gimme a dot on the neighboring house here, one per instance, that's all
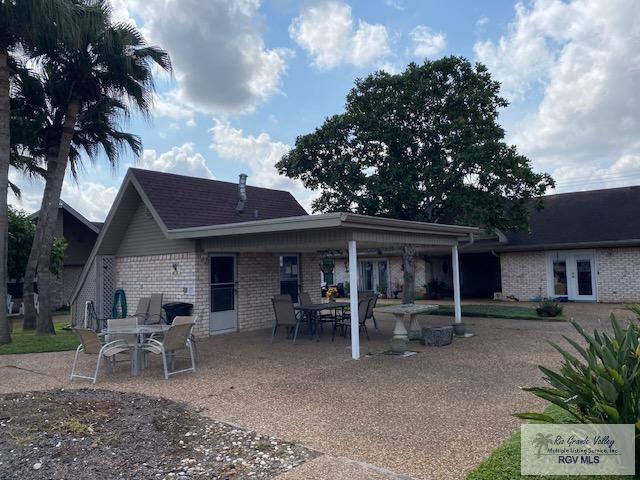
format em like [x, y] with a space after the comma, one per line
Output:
[227, 248]
[583, 246]
[81, 235]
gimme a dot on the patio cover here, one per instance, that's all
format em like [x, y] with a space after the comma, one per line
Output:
[334, 232]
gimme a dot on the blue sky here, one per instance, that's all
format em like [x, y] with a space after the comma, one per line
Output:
[250, 76]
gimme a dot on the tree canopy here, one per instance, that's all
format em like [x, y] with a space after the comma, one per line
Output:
[424, 144]
[21, 230]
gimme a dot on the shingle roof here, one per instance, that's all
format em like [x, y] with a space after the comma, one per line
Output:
[607, 215]
[184, 202]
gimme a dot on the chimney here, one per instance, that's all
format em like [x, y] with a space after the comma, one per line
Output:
[242, 192]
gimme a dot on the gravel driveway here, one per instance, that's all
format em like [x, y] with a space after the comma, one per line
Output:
[434, 415]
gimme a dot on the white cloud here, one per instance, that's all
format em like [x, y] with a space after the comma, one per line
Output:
[221, 62]
[427, 43]
[625, 171]
[91, 199]
[260, 153]
[397, 4]
[181, 160]
[582, 60]
[327, 32]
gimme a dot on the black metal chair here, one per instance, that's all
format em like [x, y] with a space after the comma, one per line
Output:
[285, 316]
[345, 322]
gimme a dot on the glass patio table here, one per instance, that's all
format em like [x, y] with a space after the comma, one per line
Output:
[313, 310]
[140, 332]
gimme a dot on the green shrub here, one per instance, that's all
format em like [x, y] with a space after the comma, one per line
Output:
[599, 385]
[549, 307]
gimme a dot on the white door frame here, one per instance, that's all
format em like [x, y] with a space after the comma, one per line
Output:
[571, 257]
[235, 292]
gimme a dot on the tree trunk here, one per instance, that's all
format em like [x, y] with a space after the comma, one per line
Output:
[47, 218]
[409, 260]
[30, 314]
[5, 149]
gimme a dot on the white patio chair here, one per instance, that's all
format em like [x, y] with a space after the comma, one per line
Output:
[179, 320]
[175, 339]
[9, 304]
[36, 304]
[113, 324]
[90, 345]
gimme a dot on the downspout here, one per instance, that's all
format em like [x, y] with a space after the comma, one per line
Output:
[469, 243]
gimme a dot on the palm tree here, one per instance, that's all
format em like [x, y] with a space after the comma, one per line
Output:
[26, 24]
[90, 88]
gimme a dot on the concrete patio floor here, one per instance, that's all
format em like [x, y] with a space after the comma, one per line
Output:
[435, 415]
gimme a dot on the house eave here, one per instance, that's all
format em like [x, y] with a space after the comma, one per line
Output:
[633, 242]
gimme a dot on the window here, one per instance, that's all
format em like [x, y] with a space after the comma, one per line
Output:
[289, 276]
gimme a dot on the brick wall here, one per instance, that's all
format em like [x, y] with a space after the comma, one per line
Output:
[618, 279]
[143, 276]
[524, 274]
[258, 280]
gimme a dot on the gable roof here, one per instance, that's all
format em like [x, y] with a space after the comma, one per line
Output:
[596, 217]
[187, 202]
[93, 226]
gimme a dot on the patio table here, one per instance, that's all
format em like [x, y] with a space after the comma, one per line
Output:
[140, 331]
[407, 312]
[312, 310]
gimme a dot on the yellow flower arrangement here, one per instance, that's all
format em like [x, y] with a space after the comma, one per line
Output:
[332, 293]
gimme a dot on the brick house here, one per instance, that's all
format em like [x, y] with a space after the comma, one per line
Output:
[582, 246]
[81, 235]
[228, 248]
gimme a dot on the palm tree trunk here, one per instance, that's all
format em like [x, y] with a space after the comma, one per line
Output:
[30, 314]
[48, 217]
[5, 148]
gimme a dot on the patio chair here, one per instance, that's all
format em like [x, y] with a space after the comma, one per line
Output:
[154, 314]
[179, 320]
[90, 345]
[115, 323]
[36, 304]
[175, 339]
[345, 322]
[372, 305]
[285, 316]
[305, 298]
[142, 310]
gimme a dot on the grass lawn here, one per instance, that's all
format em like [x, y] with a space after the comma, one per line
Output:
[504, 462]
[29, 342]
[496, 311]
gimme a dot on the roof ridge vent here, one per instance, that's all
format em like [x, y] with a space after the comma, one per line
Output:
[242, 192]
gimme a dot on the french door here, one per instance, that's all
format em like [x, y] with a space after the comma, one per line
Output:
[374, 275]
[572, 275]
[222, 301]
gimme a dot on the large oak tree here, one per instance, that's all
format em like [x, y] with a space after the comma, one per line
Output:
[424, 144]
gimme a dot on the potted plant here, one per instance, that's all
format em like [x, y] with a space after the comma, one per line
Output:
[332, 292]
[435, 289]
[382, 290]
[549, 307]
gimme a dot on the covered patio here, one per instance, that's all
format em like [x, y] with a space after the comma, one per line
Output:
[318, 234]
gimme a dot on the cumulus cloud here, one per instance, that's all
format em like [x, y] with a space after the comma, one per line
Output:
[581, 59]
[221, 62]
[181, 160]
[427, 43]
[327, 32]
[91, 199]
[260, 153]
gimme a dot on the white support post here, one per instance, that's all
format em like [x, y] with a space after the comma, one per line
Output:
[456, 284]
[353, 299]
